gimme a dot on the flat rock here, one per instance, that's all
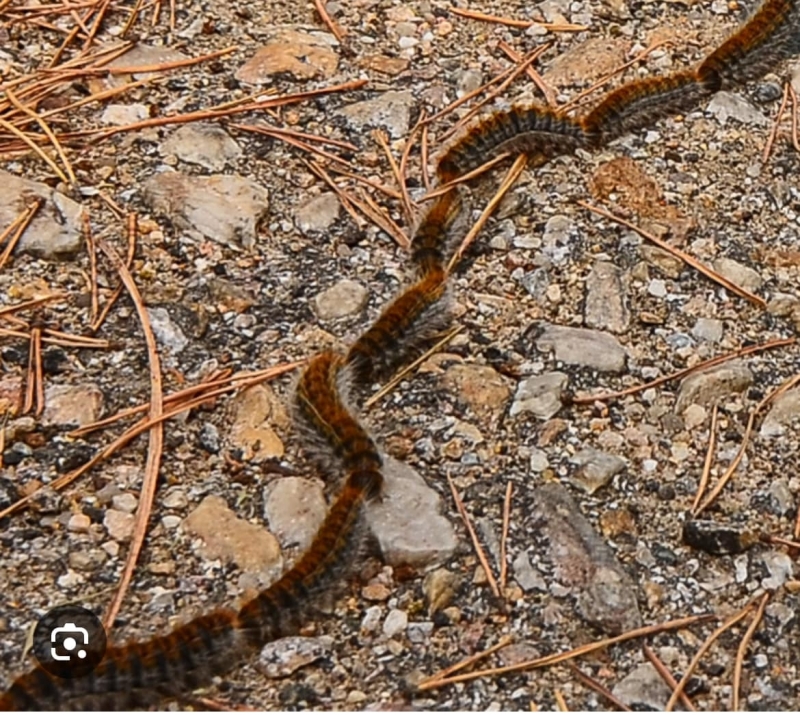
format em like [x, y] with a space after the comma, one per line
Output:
[318, 214]
[390, 110]
[785, 409]
[540, 395]
[340, 300]
[643, 689]
[606, 304]
[75, 405]
[222, 208]
[407, 521]
[708, 329]
[743, 276]
[226, 537]
[605, 596]
[284, 656]
[483, 388]
[587, 61]
[527, 575]
[300, 54]
[204, 144]
[121, 114]
[709, 386]
[167, 332]
[294, 509]
[255, 411]
[583, 347]
[119, 524]
[728, 105]
[595, 469]
[55, 231]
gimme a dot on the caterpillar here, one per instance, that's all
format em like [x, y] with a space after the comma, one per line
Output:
[142, 673]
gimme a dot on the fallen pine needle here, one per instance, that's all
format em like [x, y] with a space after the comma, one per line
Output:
[712, 440]
[742, 650]
[502, 643]
[775, 127]
[524, 24]
[504, 535]
[597, 686]
[666, 676]
[559, 698]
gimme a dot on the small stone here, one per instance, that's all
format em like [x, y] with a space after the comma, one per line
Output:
[121, 114]
[284, 656]
[89, 560]
[168, 333]
[390, 110]
[371, 622]
[318, 214]
[74, 405]
[606, 304]
[375, 592]
[643, 689]
[439, 587]
[70, 580]
[300, 54]
[582, 347]
[355, 697]
[175, 499]
[396, 622]
[540, 395]
[255, 411]
[119, 524]
[294, 509]
[126, 503]
[708, 329]
[657, 288]
[345, 298]
[79, 523]
[539, 461]
[207, 145]
[595, 469]
[694, 416]
[780, 567]
[727, 105]
[715, 538]
[407, 522]
[782, 495]
[528, 576]
[227, 537]
[481, 387]
[714, 384]
[783, 412]
[420, 632]
[743, 276]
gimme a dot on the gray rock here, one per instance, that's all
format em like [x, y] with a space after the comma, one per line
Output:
[595, 469]
[318, 214]
[583, 347]
[708, 329]
[558, 230]
[226, 209]
[605, 596]
[709, 386]
[345, 298]
[540, 395]
[294, 509]
[396, 622]
[536, 282]
[743, 276]
[643, 688]
[606, 304]
[286, 655]
[206, 145]
[390, 110]
[57, 229]
[780, 567]
[76, 405]
[526, 575]
[406, 520]
[727, 105]
[119, 524]
[781, 492]
[121, 114]
[785, 409]
[167, 332]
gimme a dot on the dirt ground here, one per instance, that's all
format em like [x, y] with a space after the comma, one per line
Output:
[247, 260]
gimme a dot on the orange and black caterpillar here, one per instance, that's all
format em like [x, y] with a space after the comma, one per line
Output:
[142, 673]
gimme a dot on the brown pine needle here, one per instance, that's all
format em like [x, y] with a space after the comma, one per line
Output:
[553, 27]
[712, 439]
[462, 664]
[388, 191]
[474, 537]
[655, 661]
[35, 148]
[773, 135]
[132, 230]
[156, 441]
[732, 467]
[381, 219]
[768, 538]
[795, 123]
[561, 703]
[511, 177]
[33, 375]
[727, 625]
[289, 139]
[380, 137]
[18, 226]
[742, 651]
[535, 77]
[570, 654]
[685, 257]
[297, 135]
[504, 535]
[91, 250]
[426, 178]
[405, 370]
[482, 169]
[344, 197]
[409, 145]
[32, 303]
[741, 352]
[322, 11]
[165, 66]
[597, 686]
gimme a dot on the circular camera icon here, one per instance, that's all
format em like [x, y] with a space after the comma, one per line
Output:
[69, 641]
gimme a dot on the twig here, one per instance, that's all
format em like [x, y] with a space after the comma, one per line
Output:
[524, 24]
[513, 174]
[685, 257]
[322, 11]
[155, 443]
[474, 537]
[741, 352]
[712, 439]
[775, 127]
[18, 226]
[504, 535]
[570, 654]
[502, 643]
[729, 623]
[597, 686]
[666, 676]
[742, 650]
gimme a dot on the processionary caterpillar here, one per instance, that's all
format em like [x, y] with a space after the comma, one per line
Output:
[141, 673]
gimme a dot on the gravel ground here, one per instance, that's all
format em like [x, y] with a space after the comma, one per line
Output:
[246, 260]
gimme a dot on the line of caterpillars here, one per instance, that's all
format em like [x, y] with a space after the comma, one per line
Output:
[140, 674]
